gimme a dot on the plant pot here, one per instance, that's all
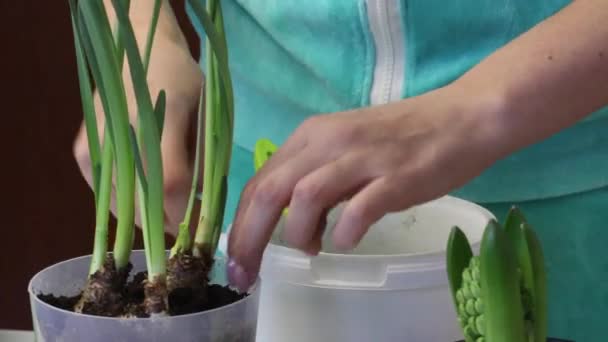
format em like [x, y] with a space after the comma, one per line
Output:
[388, 289]
[231, 323]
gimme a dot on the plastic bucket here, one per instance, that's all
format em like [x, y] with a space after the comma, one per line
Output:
[231, 323]
[393, 287]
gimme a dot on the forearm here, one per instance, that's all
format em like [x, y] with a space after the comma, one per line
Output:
[547, 79]
[140, 12]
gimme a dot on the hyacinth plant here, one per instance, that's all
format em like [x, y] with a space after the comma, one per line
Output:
[499, 295]
[135, 153]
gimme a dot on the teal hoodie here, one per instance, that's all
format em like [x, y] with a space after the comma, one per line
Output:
[291, 59]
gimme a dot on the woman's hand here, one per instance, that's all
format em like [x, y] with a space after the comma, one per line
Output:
[173, 69]
[383, 159]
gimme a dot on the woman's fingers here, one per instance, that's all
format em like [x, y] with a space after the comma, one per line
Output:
[316, 244]
[288, 151]
[393, 192]
[365, 208]
[266, 204]
[318, 192]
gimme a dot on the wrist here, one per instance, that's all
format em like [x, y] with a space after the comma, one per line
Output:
[488, 116]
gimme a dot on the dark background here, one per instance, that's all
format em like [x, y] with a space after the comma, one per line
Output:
[47, 210]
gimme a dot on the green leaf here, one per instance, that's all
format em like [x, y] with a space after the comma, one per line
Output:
[107, 74]
[514, 228]
[139, 166]
[227, 91]
[220, 212]
[183, 241]
[539, 292]
[219, 122]
[159, 111]
[500, 288]
[459, 256]
[102, 214]
[151, 142]
[118, 42]
[151, 33]
[88, 106]
[218, 46]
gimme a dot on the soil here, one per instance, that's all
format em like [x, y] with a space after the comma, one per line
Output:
[181, 300]
[60, 302]
[187, 283]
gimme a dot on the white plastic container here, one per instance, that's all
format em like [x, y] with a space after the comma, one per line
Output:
[231, 323]
[393, 287]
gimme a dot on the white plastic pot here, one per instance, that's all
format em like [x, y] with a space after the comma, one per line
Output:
[232, 323]
[393, 287]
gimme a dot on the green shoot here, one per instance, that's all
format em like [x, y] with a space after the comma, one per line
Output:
[106, 70]
[151, 33]
[183, 242]
[150, 132]
[86, 95]
[88, 107]
[101, 169]
[102, 214]
[219, 123]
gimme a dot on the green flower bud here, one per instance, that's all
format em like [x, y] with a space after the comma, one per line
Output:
[471, 323]
[466, 275]
[480, 324]
[479, 305]
[459, 296]
[475, 289]
[475, 274]
[470, 307]
[462, 311]
[466, 291]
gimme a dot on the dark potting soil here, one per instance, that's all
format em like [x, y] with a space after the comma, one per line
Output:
[60, 302]
[181, 301]
[185, 301]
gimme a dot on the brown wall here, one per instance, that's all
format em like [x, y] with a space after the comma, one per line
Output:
[46, 210]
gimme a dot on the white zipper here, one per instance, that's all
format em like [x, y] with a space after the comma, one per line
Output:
[384, 18]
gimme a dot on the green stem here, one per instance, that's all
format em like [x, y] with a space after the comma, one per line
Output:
[123, 245]
[140, 189]
[205, 226]
[101, 170]
[151, 143]
[88, 107]
[111, 88]
[151, 33]
[103, 207]
[218, 130]
[183, 242]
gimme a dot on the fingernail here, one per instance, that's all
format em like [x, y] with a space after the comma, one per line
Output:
[237, 276]
[312, 252]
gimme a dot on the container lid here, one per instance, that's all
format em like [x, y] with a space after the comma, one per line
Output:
[404, 250]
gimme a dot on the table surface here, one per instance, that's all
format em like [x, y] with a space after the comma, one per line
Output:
[16, 336]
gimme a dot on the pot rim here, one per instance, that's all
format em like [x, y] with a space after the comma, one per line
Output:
[274, 247]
